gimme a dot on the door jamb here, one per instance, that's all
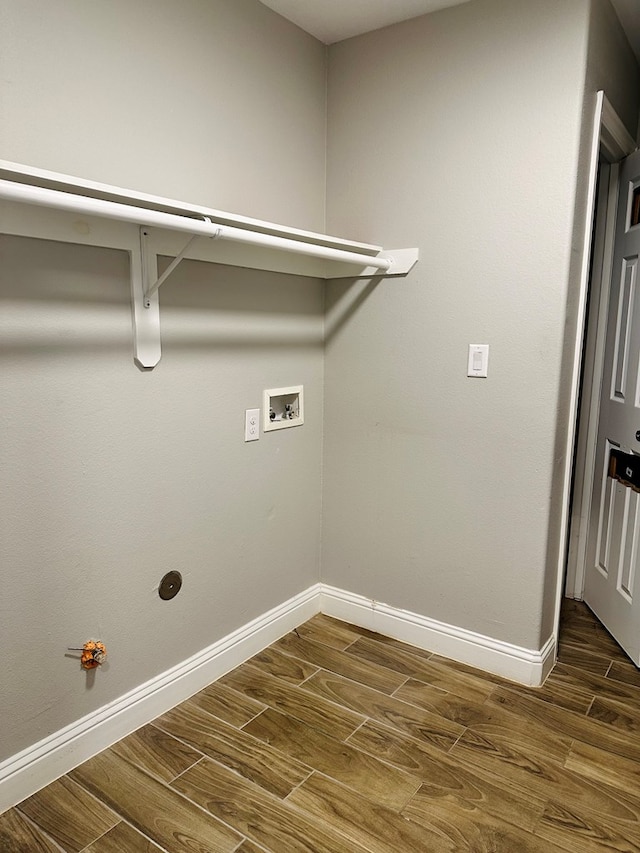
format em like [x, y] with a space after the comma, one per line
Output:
[611, 140]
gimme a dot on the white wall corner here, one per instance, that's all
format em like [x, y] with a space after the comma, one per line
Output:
[525, 666]
[39, 765]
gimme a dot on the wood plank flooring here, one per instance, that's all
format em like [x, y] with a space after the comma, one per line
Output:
[339, 740]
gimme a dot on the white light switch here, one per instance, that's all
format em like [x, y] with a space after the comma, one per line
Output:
[252, 425]
[478, 364]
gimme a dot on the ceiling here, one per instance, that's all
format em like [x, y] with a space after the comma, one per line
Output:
[335, 20]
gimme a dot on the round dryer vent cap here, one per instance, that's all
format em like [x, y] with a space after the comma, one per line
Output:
[170, 585]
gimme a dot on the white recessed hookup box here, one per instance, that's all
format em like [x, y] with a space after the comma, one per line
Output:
[283, 407]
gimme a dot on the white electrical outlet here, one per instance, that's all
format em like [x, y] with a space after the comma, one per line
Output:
[252, 425]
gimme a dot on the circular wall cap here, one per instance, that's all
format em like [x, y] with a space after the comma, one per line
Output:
[170, 585]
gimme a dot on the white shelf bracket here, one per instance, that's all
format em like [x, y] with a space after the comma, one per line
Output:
[145, 283]
[146, 309]
[151, 289]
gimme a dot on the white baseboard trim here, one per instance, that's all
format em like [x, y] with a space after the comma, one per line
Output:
[525, 666]
[39, 765]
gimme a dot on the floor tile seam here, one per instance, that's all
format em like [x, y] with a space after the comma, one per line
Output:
[586, 713]
[297, 658]
[486, 680]
[32, 823]
[432, 713]
[355, 731]
[269, 794]
[394, 732]
[335, 672]
[307, 677]
[617, 827]
[442, 690]
[497, 779]
[556, 764]
[204, 755]
[306, 693]
[621, 707]
[614, 683]
[149, 772]
[376, 804]
[580, 780]
[295, 787]
[571, 690]
[399, 687]
[543, 705]
[534, 721]
[178, 740]
[248, 840]
[239, 693]
[259, 847]
[621, 790]
[293, 715]
[102, 835]
[161, 849]
[348, 646]
[608, 731]
[579, 647]
[462, 734]
[414, 707]
[84, 790]
[263, 666]
[359, 750]
[389, 648]
[540, 754]
[410, 705]
[358, 684]
[169, 787]
[363, 844]
[386, 763]
[460, 802]
[326, 645]
[202, 809]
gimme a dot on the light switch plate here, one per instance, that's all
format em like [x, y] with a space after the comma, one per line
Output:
[478, 364]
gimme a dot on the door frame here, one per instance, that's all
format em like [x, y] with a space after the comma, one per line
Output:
[611, 142]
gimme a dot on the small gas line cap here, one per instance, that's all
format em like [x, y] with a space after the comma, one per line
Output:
[170, 585]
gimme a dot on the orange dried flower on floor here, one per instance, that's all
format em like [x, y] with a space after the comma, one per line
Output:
[93, 654]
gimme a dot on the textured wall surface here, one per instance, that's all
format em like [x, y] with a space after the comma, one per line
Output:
[111, 476]
[208, 101]
[457, 132]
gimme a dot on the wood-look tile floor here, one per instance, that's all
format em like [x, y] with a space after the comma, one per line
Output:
[338, 740]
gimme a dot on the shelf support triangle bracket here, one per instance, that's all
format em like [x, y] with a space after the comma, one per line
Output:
[145, 283]
[152, 289]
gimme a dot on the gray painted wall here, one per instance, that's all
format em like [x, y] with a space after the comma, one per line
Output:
[457, 132]
[196, 100]
[110, 476]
